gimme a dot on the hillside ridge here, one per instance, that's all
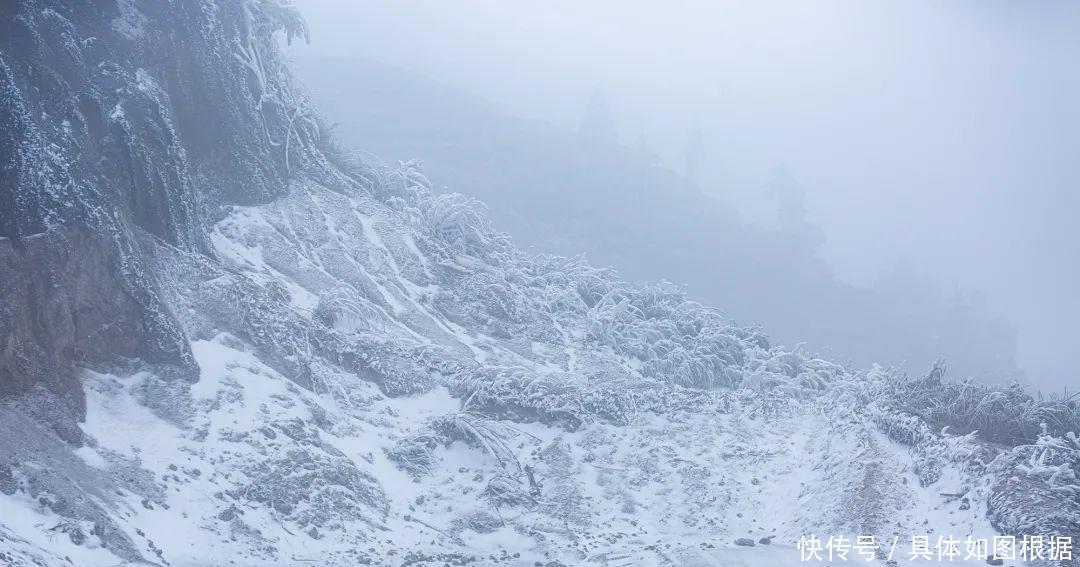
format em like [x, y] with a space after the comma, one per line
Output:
[225, 340]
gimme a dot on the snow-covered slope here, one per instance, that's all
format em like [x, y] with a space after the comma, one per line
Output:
[550, 190]
[345, 368]
[370, 390]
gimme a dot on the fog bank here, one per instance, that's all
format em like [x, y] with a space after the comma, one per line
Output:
[930, 139]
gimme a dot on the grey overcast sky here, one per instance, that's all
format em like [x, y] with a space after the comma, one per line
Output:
[941, 136]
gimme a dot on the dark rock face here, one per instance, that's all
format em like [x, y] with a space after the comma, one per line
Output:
[73, 297]
[113, 141]
[124, 127]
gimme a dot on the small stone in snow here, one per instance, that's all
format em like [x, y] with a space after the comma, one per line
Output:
[745, 542]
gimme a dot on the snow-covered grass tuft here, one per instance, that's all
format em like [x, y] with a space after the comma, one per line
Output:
[1007, 415]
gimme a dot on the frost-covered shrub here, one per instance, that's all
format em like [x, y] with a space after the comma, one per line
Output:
[501, 304]
[457, 222]
[931, 452]
[415, 454]
[478, 431]
[506, 490]
[462, 223]
[404, 187]
[308, 481]
[1035, 490]
[479, 521]
[397, 367]
[568, 284]
[664, 398]
[520, 395]
[347, 310]
[258, 310]
[1053, 460]
[310, 487]
[792, 372]
[1007, 415]
[672, 338]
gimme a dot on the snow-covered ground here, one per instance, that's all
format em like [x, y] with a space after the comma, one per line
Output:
[566, 465]
[665, 490]
[311, 358]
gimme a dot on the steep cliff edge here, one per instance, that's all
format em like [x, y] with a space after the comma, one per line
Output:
[223, 340]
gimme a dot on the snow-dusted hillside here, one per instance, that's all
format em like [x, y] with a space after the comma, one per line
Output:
[376, 385]
[274, 352]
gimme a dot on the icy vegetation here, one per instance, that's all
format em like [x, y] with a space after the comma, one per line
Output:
[225, 340]
[581, 190]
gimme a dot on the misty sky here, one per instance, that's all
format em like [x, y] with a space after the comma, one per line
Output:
[940, 136]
